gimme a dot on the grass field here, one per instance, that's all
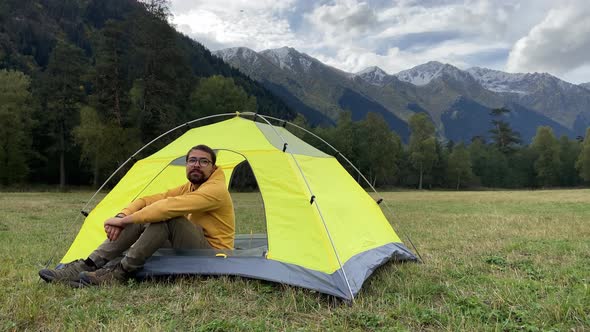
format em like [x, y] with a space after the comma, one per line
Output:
[496, 260]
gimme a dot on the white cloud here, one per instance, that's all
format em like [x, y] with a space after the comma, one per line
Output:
[482, 18]
[559, 44]
[343, 19]
[223, 23]
[355, 59]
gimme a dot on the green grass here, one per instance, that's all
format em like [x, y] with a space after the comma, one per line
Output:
[496, 260]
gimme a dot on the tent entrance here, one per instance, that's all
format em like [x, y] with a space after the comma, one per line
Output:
[251, 236]
[250, 222]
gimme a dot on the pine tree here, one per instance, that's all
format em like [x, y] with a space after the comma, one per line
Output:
[63, 92]
[568, 153]
[583, 163]
[15, 126]
[110, 85]
[502, 134]
[379, 149]
[547, 163]
[422, 144]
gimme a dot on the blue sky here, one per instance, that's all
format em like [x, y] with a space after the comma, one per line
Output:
[513, 36]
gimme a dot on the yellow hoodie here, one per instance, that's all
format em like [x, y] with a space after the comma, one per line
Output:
[208, 205]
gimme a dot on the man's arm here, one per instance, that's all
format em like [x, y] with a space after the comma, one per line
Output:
[144, 201]
[114, 226]
[208, 197]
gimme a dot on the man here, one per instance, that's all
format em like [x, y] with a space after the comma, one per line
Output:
[196, 215]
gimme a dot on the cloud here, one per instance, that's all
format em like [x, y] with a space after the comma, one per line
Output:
[349, 34]
[559, 44]
[394, 60]
[343, 18]
[223, 23]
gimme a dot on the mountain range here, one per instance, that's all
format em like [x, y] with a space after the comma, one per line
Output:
[458, 101]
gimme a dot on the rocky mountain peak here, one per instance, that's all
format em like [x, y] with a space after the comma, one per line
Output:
[373, 75]
[425, 73]
[289, 58]
[243, 53]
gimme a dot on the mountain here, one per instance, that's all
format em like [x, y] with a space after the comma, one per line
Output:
[425, 73]
[585, 85]
[374, 75]
[458, 101]
[318, 91]
[499, 81]
[564, 102]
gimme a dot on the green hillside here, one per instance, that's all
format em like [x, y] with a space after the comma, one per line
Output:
[102, 78]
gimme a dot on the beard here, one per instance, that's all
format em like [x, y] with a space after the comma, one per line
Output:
[196, 177]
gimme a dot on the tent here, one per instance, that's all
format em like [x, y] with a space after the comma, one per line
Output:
[324, 231]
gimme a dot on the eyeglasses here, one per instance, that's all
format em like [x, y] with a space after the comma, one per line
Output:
[203, 162]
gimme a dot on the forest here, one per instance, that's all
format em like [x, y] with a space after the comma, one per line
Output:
[86, 83]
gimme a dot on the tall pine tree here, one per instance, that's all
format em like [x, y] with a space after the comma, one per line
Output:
[63, 92]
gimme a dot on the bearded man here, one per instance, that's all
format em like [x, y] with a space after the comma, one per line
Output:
[197, 215]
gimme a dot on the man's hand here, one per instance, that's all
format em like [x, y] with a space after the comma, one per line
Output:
[113, 232]
[114, 226]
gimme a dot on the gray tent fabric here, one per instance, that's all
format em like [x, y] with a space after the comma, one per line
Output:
[251, 262]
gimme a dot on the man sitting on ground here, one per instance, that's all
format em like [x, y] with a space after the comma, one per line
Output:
[196, 215]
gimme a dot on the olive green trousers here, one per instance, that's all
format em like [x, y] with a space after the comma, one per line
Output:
[142, 240]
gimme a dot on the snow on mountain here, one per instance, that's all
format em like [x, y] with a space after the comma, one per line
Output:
[289, 58]
[246, 54]
[499, 81]
[373, 75]
[520, 83]
[425, 73]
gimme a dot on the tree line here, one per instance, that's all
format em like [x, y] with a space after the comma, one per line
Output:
[496, 159]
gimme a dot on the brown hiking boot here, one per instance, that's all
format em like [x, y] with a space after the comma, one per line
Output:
[67, 273]
[106, 275]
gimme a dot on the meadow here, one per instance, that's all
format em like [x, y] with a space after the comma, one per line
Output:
[493, 261]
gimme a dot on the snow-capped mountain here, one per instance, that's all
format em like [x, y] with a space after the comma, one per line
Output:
[585, 85]
[458, 101]
[374, 75]
[562, 101]
[244, 53]
[520, 83]
[288, 58]
[425, 73]
[498, 81]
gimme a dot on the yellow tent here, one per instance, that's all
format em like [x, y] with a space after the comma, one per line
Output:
[324, 231]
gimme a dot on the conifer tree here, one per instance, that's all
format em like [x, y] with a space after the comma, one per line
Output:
[422, 147]
[63, 92]
[547, 163]
[15, 126]
[459, 166]
[583, 163]
[503, 136]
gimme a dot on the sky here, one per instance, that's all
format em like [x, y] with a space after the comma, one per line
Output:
[512, 36]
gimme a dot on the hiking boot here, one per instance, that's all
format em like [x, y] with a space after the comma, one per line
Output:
[68, 273]
[106, 275]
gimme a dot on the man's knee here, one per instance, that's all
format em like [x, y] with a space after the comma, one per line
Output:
[178, 224]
